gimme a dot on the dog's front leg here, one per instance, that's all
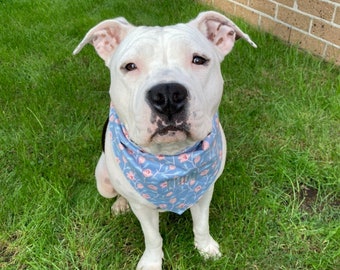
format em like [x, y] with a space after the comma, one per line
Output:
[205, 244]
[153, 254]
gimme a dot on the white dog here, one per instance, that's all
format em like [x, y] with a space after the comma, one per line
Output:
[163, 144]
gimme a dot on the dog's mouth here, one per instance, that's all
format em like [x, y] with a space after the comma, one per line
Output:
[171, 133]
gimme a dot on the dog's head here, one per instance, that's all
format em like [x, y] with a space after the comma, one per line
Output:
[166, 82]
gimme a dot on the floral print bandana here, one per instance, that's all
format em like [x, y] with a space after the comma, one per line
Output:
[170, 182]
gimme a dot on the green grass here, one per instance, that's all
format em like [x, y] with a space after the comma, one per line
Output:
[275, 207]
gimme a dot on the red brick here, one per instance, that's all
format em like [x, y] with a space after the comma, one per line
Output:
[289, 3]
[294, 18]
[244, 2]
[307, 42]
[326, 31]
[226, 6]
[321, 9]
[264, 6]
[337, 16]
[248, 15]
[333, 54]
[275, 28]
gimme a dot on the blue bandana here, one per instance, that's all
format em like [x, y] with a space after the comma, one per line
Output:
[170, 182]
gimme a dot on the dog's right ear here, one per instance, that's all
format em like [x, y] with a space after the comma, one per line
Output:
[106, 36]
[220, 30]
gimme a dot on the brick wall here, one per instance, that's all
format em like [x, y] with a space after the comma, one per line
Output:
[313, 25]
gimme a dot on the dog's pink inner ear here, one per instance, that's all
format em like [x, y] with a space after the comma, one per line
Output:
[222, 35]
[105, 41]
[106, 36]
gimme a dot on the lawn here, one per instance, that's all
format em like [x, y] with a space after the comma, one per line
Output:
[276, 206]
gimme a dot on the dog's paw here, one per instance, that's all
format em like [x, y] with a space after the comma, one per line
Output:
[120, 206]
[149, 266]
[210, 250]
[149, 263]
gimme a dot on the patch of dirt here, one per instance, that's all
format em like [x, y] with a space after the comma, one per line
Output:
[6, 253]
[307, 197]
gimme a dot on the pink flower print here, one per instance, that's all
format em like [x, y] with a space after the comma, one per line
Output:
[182, 205]
[164, 185]
[121, 147]
[141, 160]
[130, 152]
[172, 167]
[205, 145]
[147, 172]
[173, 200]
[160, 157]
[169, 194]
[110, 135]
[183, 157]
[198, 188]
[197, 159]
[153, 187]
[112, 118]
[131, 175]
[192, 182]
[124, 160]
[205, 172]
[146, 196]
[126, 134]
[162, 206]
[183, 180]
[140, 185]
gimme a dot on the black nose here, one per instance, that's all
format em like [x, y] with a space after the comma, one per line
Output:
[168, 98]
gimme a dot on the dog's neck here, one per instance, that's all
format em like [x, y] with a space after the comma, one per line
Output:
[170, 182]
[170, 148]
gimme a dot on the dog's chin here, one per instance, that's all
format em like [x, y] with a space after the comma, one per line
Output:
[169, 136]
[170, 140]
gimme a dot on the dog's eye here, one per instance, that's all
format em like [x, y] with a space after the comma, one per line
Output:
[130, 67]
[199, 60]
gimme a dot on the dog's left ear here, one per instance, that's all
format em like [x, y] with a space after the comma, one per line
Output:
[106, 36]
[220, 30]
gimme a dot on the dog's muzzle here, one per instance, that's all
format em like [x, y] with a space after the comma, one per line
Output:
[168, 100]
